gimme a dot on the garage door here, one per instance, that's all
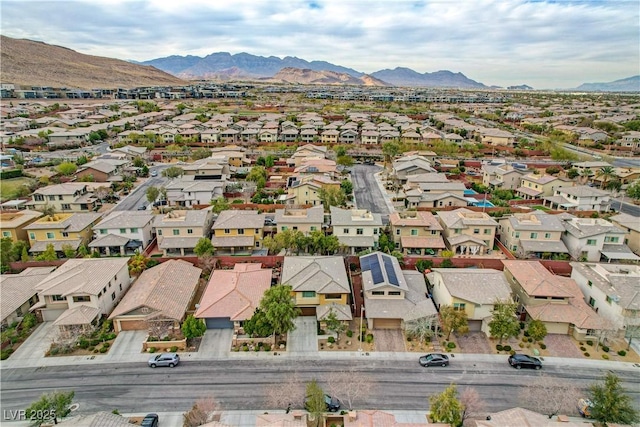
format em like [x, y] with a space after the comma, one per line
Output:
[475, 325]
[386, 323]
[133, 325]
[219, 323]
[308, 311]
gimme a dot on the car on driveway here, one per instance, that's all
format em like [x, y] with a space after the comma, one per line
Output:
[154, 173]
[150, 420]
[434, 359]
[164, 359]
[519, 361]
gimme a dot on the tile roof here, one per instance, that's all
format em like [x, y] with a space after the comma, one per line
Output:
[422, 242]
[420, 219]
[342, 311]
[535, 221]
[479, 286]
[556, 246]
[231, 241]
[587, 227]
[72, 223]
[10, 220]
[79, 315]
[182, 218]
[125, 219]
[178, 242]
[61, 189]
[536, 280]
[463, 238]
[16, 289]
[322, 274]
[313, 215]
[627, 221]
[465, 218]
[167, 288]
[109, 240]
[342, 217]
[58, 245]
[235, 293]
[82, 275]
[519, 417]
[619, 281]
[236, 219]
[583, 191]
[99, 419]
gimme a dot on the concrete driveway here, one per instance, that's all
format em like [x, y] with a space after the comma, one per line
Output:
[31, 352]
[388, 340]
[216, 343]
[128, 347]
[304, 338]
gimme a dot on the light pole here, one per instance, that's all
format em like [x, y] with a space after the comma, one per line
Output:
[360, 331]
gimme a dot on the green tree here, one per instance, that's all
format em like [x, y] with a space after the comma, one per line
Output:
[340, 151]
[5, 253]
[68, 251]
[572, 173]
[50, 407]
[220, 204]
[204, 247]
[173, 172]
[270, 161]
[633, 191]
[82, 160]
[138, 162]
[279, 308]
[314, 402]
[385, 244]
[504, 323]
[585, 174]
[390, 150]
[606, 173]
[611, 403]
[334, 324]
[331, 196]
[138, 264]
[200, 153]
[445, 407]
[256, 174]
[144, 170]
[345, 161]
[258, 325]
[537, 329]
[193, 328]
[67, 168]
[152, 194]
[347, 187]
[49, 254]
[453, 320]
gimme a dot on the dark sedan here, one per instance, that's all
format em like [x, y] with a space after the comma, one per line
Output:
[434, 359]
[519, 361]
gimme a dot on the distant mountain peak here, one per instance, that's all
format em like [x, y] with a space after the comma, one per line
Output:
[630, 84]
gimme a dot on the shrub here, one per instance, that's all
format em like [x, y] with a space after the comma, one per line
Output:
[499, 347]
[451, 345]
[173, 348]
[321, 331]
[586, 354]
[54, 351]
[512, 352]
[522, 326]
[530, 339]
[152, 339]
[260, 344]
[106, 345]
[507, 348]
[589, 342]
[84, 343]
[152, 349]
[91, 348]
[583, 348]
[245, 348]
[622, 353]
[526, 333]
[543, 346]
[331, 340]
[267, 347]
[369, 338]
[605, 356]
[605, 349]
[104, 349]
[4, 355]
[349, 333]
[581, 344]
[409, 339]
[256, 348]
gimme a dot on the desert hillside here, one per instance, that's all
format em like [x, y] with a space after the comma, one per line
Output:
[26, 62]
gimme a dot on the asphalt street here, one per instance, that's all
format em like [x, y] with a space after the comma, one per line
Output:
[367, 190]
[620, 205]
[243, 384]
[138, 196]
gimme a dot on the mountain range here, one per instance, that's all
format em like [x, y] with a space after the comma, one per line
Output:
[630, 84]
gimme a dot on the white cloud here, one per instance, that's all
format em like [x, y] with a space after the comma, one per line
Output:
[503, 42]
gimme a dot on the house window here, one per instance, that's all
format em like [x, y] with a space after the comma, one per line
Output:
[159, 232]
[591, 242]
[547, 235]
[60, 197]
[52, 198]
[459, 306]
[6, 234]
[313, 228]
[534, 235]
[123, 230]
[457, 231]
[176, 232]
[395, 293]
[227, 231]
[592, 302]
[375, 231]
[609, 299]
[487, 231]
[377, 293]
[65, 234]
[257, 231]
[113, 296]
[284, 228]
[611, 239]
[189, 230]
[103, 231]
[308, 294]
[104, 290]
[359, 231]
[333, 296]
[345, 230]
[50, 235]
[476, 231]
[397, 232]
[133, 230]
[294, 228]
[66, 207]
[38, 198]
[241, 231]
[414, 232]
[32, 236]
[517, 235]
[82, 298]
[57, 298]
[590, 283]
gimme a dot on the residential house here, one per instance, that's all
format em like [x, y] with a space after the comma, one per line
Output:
[189, 192]
[596, 239]
[293, 419]
[474, 291]
[232, 296]
[161, 295]
[520, 417]
[581, 198]
[305, 152]
[504, 176]
[493, 136]
[624, 175]
[316, 281]
[131, 152]
[19, 293]
[323, 167]
[235, 155]
[63, 231]
[237, 231]
[122, 233]
[590, 165]
[13, 223]
[68, 197]
[102, 170]
[555, 300]
[303, 220]
[468, 232]
[82, 291]
[375, 418]
[357, 229]
[416, 233]
[613, 291]
[179, 231]
[305, 190]
[435, 194]
[393, 298]
[534, 186]
[211, 168]
[406, 166]
[329, 136]
[629, 223]
[533, 234]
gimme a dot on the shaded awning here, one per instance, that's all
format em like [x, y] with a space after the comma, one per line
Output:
[58, 245]
[543, 246]
[133, 244]
[618, 252]
[109, 240]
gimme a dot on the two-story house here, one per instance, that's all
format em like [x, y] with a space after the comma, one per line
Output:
[68, 197]
[13, 223]
[305, 190]
[303, 220]
[63, 231]
[596, 239]
[317, 281]
[612, 290]
[534, 186]
[19, 293]
[102, 170]
[435, 194]
[236, 231]
[393, 298]
[555, 300]
[504, 177]
[179, 231]
[305, 152]
[321, 167]
[212, 168]
[81, 291]
[189, 192]
[474, 291]
[416, 233]
[122, 233]
[468, 232]
[631, 224]
[357, 229]
[581, 198]
[406, 166]
[532, 234]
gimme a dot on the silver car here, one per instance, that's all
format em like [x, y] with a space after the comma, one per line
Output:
[164, 359]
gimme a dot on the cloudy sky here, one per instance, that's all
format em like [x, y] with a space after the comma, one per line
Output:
[545, 44]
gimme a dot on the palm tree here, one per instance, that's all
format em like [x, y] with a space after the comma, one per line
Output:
[606, 172]
[586, 173]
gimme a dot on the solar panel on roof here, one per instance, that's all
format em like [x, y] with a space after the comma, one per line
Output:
[376, 272]
[391, 273]
[365, 262]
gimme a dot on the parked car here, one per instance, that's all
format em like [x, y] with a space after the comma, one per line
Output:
[150, 420]
[142, 207]
[154, 173]
[164, 359]
[434, 359]
[584, 407]
[519, 361]
[333, 404]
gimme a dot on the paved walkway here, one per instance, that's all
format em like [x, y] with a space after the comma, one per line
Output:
[304, 338]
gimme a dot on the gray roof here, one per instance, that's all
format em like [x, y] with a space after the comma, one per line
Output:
[109, 240]
[554, 246]
[82, 275]
[186, 218]
[583, 191]
[535, 221]
[75, 222]
[617, 252]
[620, 281]
[99, 419]
[58, 245]
[389, 267]
[442, 186]
[479, 286]
[323, 274]
[357, 241]
[627, 221]
[125, 219]
[176, 242]
[232, 241]
[587, 227]
[80, 315]
[236, 219]
[465, 218]
[312, 215]
[341, 217]
[342, 311]
[461, 238]
[16, 289]
[61, 189]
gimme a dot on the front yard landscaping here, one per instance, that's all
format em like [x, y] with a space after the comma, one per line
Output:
[16, 334]
[347, 341]
[98, 341]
